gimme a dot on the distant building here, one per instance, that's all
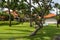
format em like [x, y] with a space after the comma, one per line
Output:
[14, 13]
[51, 21]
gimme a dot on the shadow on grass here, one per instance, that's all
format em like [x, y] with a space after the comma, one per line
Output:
[3, 23]
[19, 30]
[6, 24]
[47, 33]
[19, 26]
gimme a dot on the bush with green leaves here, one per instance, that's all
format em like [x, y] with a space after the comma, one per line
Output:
[5, 16]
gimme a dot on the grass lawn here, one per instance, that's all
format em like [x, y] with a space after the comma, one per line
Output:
[22, 32]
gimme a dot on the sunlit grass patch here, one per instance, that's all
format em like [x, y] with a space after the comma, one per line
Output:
[22, 32]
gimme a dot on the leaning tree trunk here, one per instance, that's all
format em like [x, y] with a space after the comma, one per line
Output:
[40, 25]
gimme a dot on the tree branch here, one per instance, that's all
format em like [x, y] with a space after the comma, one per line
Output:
[33, 7]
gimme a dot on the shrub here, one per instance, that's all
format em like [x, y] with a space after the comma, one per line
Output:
[5, 17]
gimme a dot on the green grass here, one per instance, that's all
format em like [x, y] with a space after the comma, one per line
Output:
[7, 23]
[22, 32]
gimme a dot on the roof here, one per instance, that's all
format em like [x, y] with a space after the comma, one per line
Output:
[50, 15]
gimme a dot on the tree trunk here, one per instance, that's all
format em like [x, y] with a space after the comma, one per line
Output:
[9, 13]
[30, 22]
[57, 23]
[40, 25]
[37, 29]
[9, 18]
[30, 15]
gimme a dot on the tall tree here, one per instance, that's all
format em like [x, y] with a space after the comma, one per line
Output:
[4, 4]
[42, 6]
[58, 15]
[30, 14]
[8, 4]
